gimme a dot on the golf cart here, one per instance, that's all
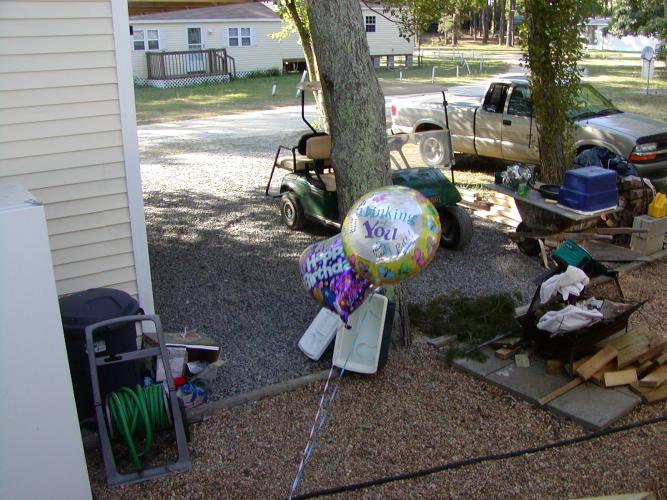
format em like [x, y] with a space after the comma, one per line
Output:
[308, 190]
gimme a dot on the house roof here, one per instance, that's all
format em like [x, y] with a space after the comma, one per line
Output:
[230, 11]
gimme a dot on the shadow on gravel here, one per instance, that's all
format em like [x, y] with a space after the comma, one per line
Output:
[228, 267]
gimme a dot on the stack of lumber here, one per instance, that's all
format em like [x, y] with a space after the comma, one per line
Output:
[637, 359]
[496, 207]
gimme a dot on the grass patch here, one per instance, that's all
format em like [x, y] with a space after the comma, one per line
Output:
[160, 105]
[621, 81]
[199, 101]
[473, 320]
[445, 71]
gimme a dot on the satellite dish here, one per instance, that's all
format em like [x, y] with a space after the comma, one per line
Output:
[647, 53]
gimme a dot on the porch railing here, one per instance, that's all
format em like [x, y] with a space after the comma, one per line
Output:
[188, 63]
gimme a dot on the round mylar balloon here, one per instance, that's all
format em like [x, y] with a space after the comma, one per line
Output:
[330, 279]
[390, 234]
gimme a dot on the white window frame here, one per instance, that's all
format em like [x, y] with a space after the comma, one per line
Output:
[370, 21]
[240, 36]
[145, 40]
[202, 35]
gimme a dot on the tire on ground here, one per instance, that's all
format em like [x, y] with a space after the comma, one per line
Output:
[528, 246]
[291, 211]
[456, 228]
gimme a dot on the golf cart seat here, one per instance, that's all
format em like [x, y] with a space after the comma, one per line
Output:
[318, 148]
[311, 147]
[288, 163]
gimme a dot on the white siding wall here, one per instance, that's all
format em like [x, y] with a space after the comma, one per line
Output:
[386, 39]
[60, 135]
[265, 53]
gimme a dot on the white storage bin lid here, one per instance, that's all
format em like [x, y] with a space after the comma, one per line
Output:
[367, 326]
[319, 334]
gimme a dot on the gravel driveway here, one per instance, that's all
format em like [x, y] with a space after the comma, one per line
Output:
[414, 414]
[222, 262]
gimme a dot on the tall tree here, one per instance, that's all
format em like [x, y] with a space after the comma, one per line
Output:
[294, 19]
[510, 23]
[485, 24]
[641, 17]
[414, 16]
[501, 22]
[552, 47]
[354, 105]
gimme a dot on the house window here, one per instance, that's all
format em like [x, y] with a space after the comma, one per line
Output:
[239, 37]
[145, 39]
[370, 24]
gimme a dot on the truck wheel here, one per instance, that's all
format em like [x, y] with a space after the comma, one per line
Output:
[456, 228]
[528, 246]
[432, 151]
[291, 212]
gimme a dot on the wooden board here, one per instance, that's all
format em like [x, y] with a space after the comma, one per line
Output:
[442, 341]
[560, 391]
[640, 391]
[662, 359]
[508, 342]
[607, 252]
[601, 358]
[621, 377]
[598, 377]
[554, 366]
[656, 395]
[638, 347]
[645, 367]
[655, 378]
[506, 353]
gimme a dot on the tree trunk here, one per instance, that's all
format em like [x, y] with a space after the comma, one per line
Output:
[474, 26]
[455, 29]
[355, 107]
[510, 24]
[311, 61]
[501, 23]
[494, 23]
[485, 25]
[665, 40]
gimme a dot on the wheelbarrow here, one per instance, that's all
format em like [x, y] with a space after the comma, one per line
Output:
[544, 216]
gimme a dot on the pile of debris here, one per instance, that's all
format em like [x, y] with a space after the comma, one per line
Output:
[636, 359]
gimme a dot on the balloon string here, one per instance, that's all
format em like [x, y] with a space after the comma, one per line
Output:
[322, 412]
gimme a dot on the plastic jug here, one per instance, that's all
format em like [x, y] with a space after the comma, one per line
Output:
[658, 207]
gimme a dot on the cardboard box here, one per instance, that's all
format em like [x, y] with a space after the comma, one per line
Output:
[198, 346]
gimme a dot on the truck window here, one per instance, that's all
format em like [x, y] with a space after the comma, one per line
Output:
[520, 103]
[494, 101]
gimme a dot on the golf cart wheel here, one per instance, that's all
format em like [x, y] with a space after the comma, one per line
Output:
[528, 246]
[432, 151]
[456, 228]
[291, 211]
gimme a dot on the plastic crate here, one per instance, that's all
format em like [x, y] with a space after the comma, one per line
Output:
[589, 189]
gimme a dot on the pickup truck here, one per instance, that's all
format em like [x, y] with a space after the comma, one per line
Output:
[499, 124]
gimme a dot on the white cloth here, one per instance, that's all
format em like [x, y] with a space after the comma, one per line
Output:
[568, 319]
[572, 281]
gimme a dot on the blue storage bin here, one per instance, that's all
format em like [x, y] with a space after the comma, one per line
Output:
[589, 189]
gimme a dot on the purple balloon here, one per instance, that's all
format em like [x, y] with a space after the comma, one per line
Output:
[330, 279]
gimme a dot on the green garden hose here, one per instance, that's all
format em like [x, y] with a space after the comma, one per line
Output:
[141, 413]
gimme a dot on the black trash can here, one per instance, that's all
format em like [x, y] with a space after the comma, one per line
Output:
[81, 309]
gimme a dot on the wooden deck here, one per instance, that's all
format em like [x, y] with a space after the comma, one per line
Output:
[189, 63]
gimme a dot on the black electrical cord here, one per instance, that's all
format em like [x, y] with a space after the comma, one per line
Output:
[476, 460]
